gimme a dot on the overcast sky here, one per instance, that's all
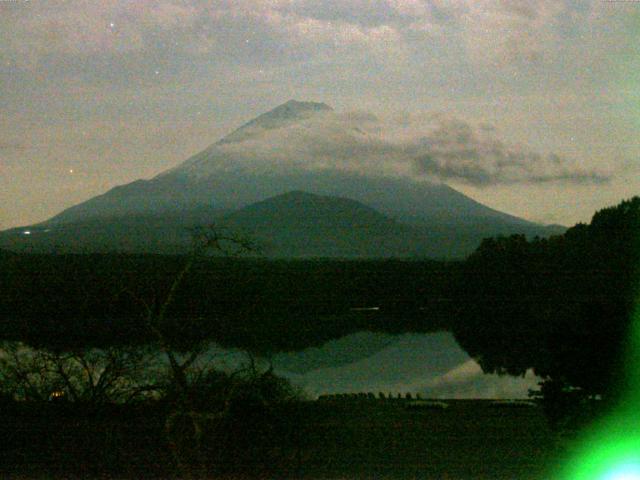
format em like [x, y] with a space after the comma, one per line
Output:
[95, 94]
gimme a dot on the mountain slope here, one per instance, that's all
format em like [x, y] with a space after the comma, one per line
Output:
[295, 224]
[300, 224]
[283, 115]
[281, 151]
[141, 233]
[233, 173]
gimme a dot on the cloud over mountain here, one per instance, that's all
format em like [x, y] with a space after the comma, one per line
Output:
[456, 150]
[436, 147]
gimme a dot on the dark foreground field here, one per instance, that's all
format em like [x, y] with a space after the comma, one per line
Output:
[467, 440]
[331, 440]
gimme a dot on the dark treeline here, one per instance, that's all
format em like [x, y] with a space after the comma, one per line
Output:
[71, 300]
[561, 306]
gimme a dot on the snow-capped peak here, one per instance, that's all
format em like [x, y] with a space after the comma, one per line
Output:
[283, 115]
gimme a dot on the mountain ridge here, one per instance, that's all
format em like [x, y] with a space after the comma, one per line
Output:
[276, 118]
[217, 182]
[295, 224]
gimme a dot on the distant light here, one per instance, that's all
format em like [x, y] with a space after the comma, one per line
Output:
[112, 24]
[27, 232]
[71, 170]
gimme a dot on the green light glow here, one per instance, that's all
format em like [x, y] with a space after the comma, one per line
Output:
[607, 458]
[610, 449]
[624, 472]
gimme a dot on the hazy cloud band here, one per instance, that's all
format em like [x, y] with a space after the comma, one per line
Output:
[436, 147]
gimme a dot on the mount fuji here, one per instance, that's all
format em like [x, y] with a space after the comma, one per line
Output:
[302, 178]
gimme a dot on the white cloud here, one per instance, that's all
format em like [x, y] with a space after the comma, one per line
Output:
[410, 8]
[492, 32]
[435, 147]
[502, 32]
[34, 33]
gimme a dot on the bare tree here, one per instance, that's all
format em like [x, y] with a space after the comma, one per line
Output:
[187, 377]
[90, 376]
[203, 400]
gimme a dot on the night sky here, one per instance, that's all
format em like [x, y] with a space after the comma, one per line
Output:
[97, 94]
